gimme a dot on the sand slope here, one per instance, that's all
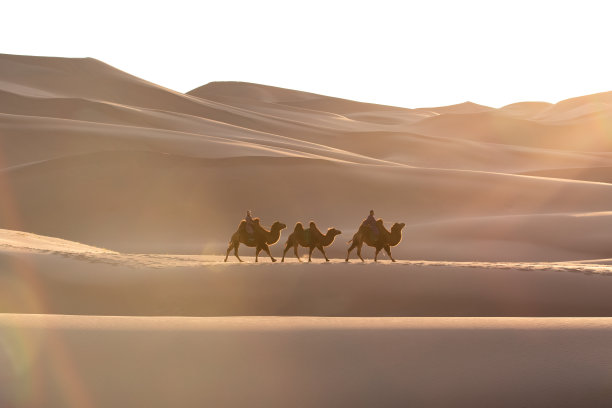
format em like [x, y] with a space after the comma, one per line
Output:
[48, 275]
[306, 362]
[159, 359]
[96, 155]
[93, 154]
[118, 197]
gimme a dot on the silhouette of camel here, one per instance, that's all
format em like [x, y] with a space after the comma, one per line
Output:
[385, 239]
[260, 239]
[311, 238]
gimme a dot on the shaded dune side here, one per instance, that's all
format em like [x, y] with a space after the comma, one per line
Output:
[457, 153]
[112, 127]
[530, 237]
[320, 362]
[32, 80]
[25, 138]
[86, 89]
[85, 284]
[271, 94]
[87, 78]
[140, 200]
[42, 274]
[588, 134]
[173, 117]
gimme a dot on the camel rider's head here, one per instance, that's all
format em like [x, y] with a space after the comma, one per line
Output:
[372, 213]
[248, 213]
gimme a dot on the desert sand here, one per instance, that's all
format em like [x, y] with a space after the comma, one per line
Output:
[308, 361]
[118, 198]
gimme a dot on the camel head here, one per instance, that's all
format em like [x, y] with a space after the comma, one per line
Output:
[397, 226]
[278, 226]
[332, 232]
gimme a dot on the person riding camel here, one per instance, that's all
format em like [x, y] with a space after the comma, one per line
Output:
[314, 233]
[371, 224]
[250, 224]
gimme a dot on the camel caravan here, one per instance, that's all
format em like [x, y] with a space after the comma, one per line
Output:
[371, 232]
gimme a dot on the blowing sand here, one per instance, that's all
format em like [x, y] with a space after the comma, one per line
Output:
[118, 198]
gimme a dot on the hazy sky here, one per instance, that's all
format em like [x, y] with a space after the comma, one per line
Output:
[405, 53]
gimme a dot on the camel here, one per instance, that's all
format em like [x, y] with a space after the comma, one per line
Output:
[311, 238]
[260, 239]
[386, 239]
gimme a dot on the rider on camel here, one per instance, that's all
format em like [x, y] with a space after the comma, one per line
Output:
[250, 223]
[314, 232]
[370, 222]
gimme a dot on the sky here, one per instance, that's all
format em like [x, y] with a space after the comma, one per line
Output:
[403, 53]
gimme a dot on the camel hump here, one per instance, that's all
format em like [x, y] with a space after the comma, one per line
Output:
[364, 228]
[307, 236]
[298, 227]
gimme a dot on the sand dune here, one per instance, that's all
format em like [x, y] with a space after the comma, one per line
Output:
[311, 362]
[449, 152]
[225, 91]
[118, 197]
[49, 275]
[128, 165]
[579, 106]
[127, 200]
[526, 110]
[460, 108]
[590, 133]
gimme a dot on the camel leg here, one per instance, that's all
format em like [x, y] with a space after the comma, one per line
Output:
[310, 254]
[295, 251]
[287, 246]
[257, 251]
[320, 247]
[359, 253]
[229, 248]
[349, 251]
[376, 254]
[236, 251]
[388, 251]
[267, 249]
